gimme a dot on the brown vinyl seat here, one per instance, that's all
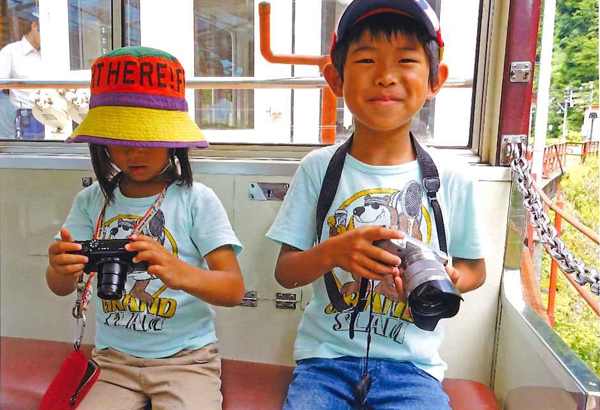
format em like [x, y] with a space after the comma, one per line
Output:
[28, 365]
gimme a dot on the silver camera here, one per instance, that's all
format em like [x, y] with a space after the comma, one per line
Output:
[431, 294]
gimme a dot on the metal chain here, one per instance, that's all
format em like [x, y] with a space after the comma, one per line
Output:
[541, 221]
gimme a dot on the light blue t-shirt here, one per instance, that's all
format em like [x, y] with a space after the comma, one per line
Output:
[152, 320]
[390, 196]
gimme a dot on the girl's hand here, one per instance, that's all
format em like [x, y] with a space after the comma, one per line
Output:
[63, 263]
[163, 264]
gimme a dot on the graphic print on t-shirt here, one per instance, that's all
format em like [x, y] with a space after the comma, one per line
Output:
[390, 208]
[141, 308]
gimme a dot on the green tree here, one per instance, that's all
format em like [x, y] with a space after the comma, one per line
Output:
[575, 60]
[576, 43]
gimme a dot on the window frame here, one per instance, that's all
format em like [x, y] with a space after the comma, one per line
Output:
[480, 118]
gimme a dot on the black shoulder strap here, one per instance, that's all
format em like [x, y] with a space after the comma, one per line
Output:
[331, 180]
[328, 191]
[431, 183]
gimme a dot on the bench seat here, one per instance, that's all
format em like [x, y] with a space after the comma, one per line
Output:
[28, 365]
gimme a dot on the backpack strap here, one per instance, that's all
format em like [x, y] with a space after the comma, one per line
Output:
[431, 183]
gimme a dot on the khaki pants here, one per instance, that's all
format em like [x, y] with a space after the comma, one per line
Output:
[188, 380]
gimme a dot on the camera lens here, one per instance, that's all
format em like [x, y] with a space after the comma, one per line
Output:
[111, 279]
[432, 301]
[429, 301]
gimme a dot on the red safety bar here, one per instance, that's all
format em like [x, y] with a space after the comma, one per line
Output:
[555, 157]
[590, 148]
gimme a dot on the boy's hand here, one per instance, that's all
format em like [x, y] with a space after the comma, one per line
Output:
[354, 252]
[450, 270]
[453, 273]
[162, 263]
[63, 263]
[399, 285]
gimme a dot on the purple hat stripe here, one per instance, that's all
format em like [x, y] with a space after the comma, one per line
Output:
[158, 102]
[146, 144]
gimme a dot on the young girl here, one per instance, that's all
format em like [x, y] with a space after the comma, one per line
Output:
[157, 343]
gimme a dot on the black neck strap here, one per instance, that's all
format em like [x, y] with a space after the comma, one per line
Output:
[431, 184]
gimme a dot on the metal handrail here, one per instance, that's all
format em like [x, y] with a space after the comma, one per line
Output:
[214, 83]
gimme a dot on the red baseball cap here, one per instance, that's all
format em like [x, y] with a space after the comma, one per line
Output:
[358, 10]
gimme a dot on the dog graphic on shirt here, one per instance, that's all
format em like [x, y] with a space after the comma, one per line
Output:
[400, 210]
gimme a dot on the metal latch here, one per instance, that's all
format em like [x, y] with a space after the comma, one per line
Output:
[86, 181]
[285, 301]
[250, 299]
[268, 191]
[506, 159]
[520, 72]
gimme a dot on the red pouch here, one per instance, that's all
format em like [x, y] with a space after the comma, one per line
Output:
[73, 381]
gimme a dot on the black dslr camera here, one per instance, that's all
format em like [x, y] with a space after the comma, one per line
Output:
[112, 262]
[431, 294]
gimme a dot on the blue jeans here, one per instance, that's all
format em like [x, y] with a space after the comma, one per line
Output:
[328, 384]
[27, 126]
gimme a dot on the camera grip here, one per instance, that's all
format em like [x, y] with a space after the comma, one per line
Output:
[388, 245]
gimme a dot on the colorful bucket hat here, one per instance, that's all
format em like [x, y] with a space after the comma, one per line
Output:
[416, 9]
[138, 99]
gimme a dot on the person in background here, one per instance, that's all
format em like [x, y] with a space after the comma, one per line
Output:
[19, 60]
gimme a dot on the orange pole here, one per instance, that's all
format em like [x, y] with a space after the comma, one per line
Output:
[328, 101]
[585, 294]
[546, 163]
[531, 287]
[570, 219]
[328, 116]
[264, 11]
[554, 266]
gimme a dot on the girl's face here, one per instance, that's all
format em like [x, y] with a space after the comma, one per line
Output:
[140, 165]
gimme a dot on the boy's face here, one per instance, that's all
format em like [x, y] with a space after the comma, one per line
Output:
[385, 82]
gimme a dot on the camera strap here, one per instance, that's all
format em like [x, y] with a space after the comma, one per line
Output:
[84, 290]
[431, 183]
[100, 231]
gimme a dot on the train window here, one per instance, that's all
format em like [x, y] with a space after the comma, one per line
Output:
[20, 20]
[131, 23]
[90, 31]
[224, 47]
[221, 40]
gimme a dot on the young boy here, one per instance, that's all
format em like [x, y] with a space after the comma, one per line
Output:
[386, 63]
